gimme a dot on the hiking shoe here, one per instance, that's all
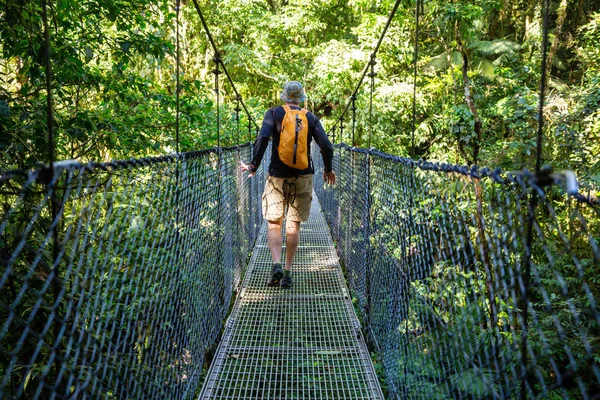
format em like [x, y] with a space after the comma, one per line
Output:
[286, 282]
[276, 274]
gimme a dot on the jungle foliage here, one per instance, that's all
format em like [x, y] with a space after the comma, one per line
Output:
[114, 65]
[114, 92]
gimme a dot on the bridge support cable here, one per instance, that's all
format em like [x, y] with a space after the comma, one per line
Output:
[368, 66]
[353, 108]
[217, 56]
[217, 72]
[177, 201]
[372, 75]
[249, 130]
[411, 223]
[526, 379]
[237, 110]
[52, 187]
[177, 73]
[177, 100]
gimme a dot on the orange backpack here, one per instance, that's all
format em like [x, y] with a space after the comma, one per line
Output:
[293, 141]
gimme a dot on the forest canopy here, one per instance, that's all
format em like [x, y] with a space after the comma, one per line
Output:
[472, 256]
[114, 77]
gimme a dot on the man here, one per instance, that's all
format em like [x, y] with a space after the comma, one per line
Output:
[287, 187]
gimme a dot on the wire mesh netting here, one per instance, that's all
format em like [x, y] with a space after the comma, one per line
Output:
[472, 283]
[117, 277]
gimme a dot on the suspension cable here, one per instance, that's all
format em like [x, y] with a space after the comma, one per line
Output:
[217, 72]
[249, 130]
[49, 105]
[353, 99]
[372, 75]
[540, 135]
[414, 99]
[56, 281]
[216, 50]
[373, 55]
[237, 110]
[526, 277]
[177, 73]
[418, 5]
[237, 94]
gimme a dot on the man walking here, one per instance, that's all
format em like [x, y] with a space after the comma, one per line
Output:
[288, 190]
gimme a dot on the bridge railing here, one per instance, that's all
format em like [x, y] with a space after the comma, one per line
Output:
[464, 294]
[116, 278]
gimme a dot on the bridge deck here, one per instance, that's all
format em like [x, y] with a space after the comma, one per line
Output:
[300, 343]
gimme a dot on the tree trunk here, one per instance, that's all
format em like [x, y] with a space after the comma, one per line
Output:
[560, 20]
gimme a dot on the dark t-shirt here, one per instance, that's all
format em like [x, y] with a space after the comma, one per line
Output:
[271, 127]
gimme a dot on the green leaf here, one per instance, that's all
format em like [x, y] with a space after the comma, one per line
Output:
[4, 109]
[495, 47]
[125, 46]
[89, 53]
[477, 382]
[484, 67]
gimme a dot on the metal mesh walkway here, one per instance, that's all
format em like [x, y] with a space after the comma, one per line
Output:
[301, 343]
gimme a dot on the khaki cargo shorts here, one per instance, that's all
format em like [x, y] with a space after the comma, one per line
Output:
[295, 194]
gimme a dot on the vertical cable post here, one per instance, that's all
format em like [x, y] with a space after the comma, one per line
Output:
[217, 71]
[414, 99]
[418, 6]
[177, 114]
[52, 187]
[524, 303]
[369, 247]
[237, 119]
[177, 75]
[178, 202]
[51, 143]
[49, 100]
[249, 129]
[543, 79]
[372, 75]
[353, 108]
[341, 130]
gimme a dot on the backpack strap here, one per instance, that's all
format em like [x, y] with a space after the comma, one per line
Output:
[277, 123]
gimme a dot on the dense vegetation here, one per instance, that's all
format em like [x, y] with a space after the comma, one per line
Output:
[114, 87]
[114, 76]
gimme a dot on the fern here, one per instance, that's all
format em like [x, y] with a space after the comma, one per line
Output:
[494, 47]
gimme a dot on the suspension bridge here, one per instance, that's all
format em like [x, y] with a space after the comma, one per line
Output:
[146, 279]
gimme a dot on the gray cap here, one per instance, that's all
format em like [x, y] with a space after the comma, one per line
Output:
[293, 92]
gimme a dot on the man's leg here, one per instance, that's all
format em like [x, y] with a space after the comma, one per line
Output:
[274, 240]
[292, 237]
[299, 210]
[273, 202]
